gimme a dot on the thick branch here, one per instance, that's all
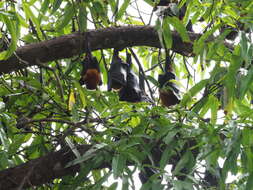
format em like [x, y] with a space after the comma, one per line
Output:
[73, 44]
[53, 165]
[41, 170]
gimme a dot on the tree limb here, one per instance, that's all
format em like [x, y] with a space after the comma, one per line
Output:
[73, 44]
[42, 170]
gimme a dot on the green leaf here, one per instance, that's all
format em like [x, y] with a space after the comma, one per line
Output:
[249, 183]
[118, 165]
[125, 183]
[14, 37]
[82, 17]
[56, 5]
[73, 147]
[165, 157]
[153, 80]
[199, 45]
[193, 91]
[3, 137]
[87, 155]
[182, 185]
[170, 136]
[101, 181]
[30, 15]
[200, 104]
[244, 45]
[113, 186]
[245, 83]
[4, 162]
[177, 24]
[19, 140]
[68, 15]
[43, 9]
[214, 109]
[122, 9]
[182, 162]
[113, 5]
[81, 94]
[230, 80]
[167, 33]
[150, 2]
[22, 21]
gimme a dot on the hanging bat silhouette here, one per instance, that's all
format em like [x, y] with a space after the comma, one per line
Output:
[90, 75]
[131, 92]
[168, 91]
[117, 77]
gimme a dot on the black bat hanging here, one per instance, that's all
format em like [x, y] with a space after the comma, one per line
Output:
[90, 75]
[131, 92]
[117, 77]
[168, 91]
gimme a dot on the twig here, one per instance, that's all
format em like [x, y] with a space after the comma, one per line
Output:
[56, 76]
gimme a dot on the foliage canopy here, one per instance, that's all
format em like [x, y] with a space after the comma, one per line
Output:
[204, 142]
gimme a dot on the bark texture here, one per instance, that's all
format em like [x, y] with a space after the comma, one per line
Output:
[41, 170]
[73, 44]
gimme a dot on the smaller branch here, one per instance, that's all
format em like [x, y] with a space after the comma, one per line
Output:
[137, 7]
[56, 76]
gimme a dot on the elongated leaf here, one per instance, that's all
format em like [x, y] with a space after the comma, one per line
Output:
[249, 183]
[113, 5]
[72, 100]
[170, 136]
[16, 144]
[22, 21]
[199, 45]
[3, 137]
[118, 164]
[125, 183]
[182, 162]
[56, 5]
[167, 33]
[82, 17]
[178, 25]
[30, 15]
[244, 45]
[87, 155]
[245, 83]
[230, 80]
[165, 157]
[182, 185]
[122, 9]
[150, 2]
[73, 147]
[13, 32]
[113, 186]
[43, 9]
[68, 15]
[81, 94]
[193, 91]
[214, 109]
[198, 106]
[101, 181]
[153, 80]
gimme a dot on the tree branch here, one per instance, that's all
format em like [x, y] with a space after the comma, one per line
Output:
[73, 44]
[42, 170]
